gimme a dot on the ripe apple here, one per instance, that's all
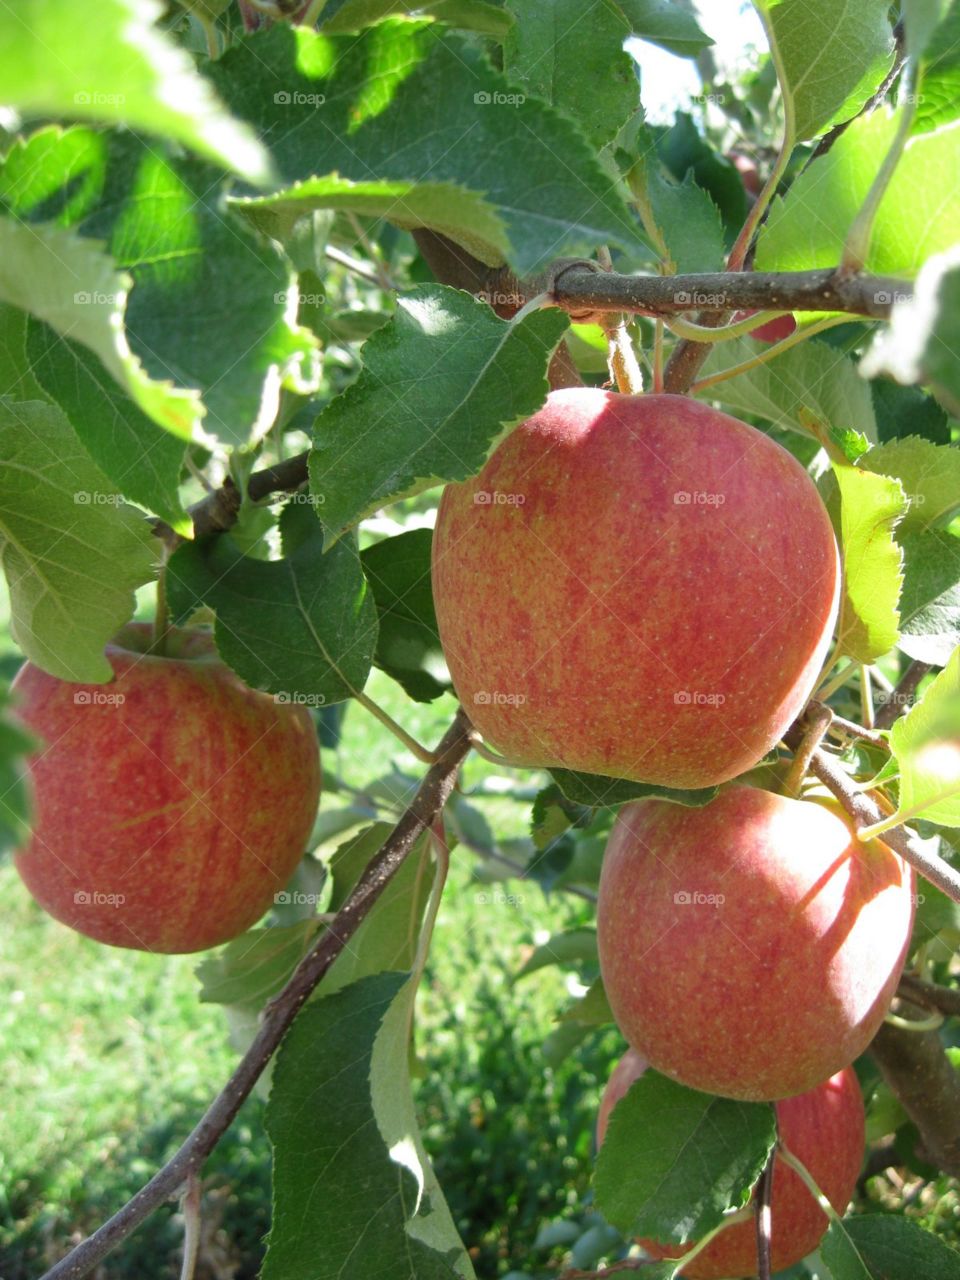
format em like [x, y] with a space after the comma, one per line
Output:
[751, 947]
[637, 586]
[170, 804]
[823, 1128]
[746, 166]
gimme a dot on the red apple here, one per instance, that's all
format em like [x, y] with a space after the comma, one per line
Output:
[823, 1128]
[748, 171]
[619, 590]
[170, 804]
[774, 330]
[751, 947]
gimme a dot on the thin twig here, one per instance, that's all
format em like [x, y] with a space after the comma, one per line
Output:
[816, 723]
[281, 1011]
[865, 811]
[930, 995]
[763, 1217]
[190, 1207]
[902, 696]
[843, 728]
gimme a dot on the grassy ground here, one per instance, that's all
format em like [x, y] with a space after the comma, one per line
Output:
[108, 1058]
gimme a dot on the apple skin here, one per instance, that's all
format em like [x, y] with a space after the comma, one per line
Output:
[749, 948]
[166, 821]
[620, 590]
[825, 1130]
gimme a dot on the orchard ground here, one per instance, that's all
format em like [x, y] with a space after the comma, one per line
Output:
[108, 1059]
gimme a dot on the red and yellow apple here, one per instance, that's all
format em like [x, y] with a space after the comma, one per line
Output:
[823, 1128]
[637, 586]
[773, 330]
[751, 947]
[171, 804]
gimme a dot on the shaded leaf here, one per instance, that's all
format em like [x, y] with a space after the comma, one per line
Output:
[870, 506]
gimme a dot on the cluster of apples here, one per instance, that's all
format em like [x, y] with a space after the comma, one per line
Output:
[645, 588]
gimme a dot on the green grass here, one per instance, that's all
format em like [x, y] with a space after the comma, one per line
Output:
[109, 1058]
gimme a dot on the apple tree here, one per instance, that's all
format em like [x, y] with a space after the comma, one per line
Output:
[360, 335]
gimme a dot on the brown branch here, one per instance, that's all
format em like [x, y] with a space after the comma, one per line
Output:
[902, 696]
[915, 1066]
[930, 995]
[843, 728]
[816, 722]
[865, 812]
[278, 1015]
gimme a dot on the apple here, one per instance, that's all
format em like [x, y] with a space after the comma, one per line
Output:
[823, 1128]
[751, 947]
[746, 166]
[618, 591]
[171, 804]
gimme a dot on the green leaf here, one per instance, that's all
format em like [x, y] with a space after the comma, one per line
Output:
[254, 967]
[674, 1160]
[593, 1009]
[387, 938]
[887, 1247]
[143, 461]
[408, 643]
[302, 628]
[809, 384]
[440, 385]
[72, 551]
[905, 411]
[212, 306]
[922, 342]
[120, 69]
[666, 24]
[926, 743]
[681, 219]
[468, 15]
[940, 70]
[682, 149]
[930, 603]
[595, 790]
[15, 796]
[340, 1119]
[829, 61]
[553, 814]
[918, 216]
[920, 20]
[930, 475]
[73, 286]
[573, 57]
[572, 948]
[397, 101]
[870, 506]
[463, 215]
[17, 379]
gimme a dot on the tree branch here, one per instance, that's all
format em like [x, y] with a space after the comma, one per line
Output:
[278, 1015]
[915, 1066]
[902, 696]
[865, 811]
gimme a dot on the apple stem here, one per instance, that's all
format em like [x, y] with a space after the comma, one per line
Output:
[480, 747]
[806, 1177]
[826, 686]
[816, 723]
[739, 251]
[161, 619]
[190, 1208]
[933, 1022]
[622, 360]
[763, 1214]
[422, 753]
[771, 353]
[658, 358]
[866, 697]
[541, 300]
[729, 1220]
